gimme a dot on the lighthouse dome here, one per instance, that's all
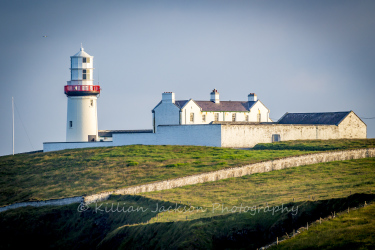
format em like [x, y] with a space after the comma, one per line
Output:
[81, 53]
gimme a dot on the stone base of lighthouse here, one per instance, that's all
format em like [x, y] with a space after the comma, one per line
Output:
[82, 119]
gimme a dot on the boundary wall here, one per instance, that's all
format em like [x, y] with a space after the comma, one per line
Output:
[56, 202]
[260, 167]
[195, 135]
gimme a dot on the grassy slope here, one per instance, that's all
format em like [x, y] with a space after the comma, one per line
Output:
[318, 145]
[206, 229]
[318, 181]
[230, 231]
[77, 172]
[355, 230]
[64, 226]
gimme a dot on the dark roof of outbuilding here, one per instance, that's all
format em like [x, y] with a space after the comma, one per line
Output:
[109, 133]
[327, 118]
[219, 107]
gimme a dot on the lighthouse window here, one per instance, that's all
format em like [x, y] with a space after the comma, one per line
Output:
[70, 124]
[86, 74]
[84, 60]
[91, 103]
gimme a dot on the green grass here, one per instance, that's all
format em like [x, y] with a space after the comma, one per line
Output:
[319, 181]
[65, 227]
[229, 231]
[68, 173]
[318, 145]
[353, 230]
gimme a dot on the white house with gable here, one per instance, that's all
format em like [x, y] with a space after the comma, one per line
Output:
[186, 112]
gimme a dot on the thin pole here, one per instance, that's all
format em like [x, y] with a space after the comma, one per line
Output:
[13, 121]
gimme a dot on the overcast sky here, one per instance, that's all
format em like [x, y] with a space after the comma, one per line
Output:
[297, 56]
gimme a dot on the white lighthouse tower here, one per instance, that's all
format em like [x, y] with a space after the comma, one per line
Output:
[82, 120]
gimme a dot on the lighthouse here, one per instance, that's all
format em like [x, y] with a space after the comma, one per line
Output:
[82, 119]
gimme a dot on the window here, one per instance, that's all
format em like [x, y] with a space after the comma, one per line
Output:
[233, 117]
[247, 118]
[216, 117]
[92, 103]
[191, 117]
[203, 118]
[275, 137]
[259, 118]
[70, 124]
[86, 60]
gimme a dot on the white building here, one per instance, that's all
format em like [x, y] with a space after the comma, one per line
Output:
[189, 122]
[82, 120]
[183, 112]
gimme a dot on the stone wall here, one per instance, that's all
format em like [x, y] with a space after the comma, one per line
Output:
[248, 135]
[55, 202]
[352, 127]
[240, 171]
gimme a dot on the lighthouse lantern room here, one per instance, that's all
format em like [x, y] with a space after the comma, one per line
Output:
[82, 120]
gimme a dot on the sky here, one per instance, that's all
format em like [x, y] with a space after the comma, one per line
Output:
[297, 56]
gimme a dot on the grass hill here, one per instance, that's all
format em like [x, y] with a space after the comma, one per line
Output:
[317, 190]
[317, 145]
[353, 230]
[68, 173]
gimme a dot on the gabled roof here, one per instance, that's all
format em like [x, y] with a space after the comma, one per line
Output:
[327, 118]
[223, 106]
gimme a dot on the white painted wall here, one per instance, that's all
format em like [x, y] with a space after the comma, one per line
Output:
[259, 108]
[83, 116]
[166, 114]
[199, 135]
[191, 108]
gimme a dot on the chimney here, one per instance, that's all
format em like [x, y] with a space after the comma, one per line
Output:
[168, 97]
[214, 96]
[252, 97]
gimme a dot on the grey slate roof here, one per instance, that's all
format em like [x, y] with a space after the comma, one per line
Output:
[237, 106]
[181, 103]
[327, 118]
